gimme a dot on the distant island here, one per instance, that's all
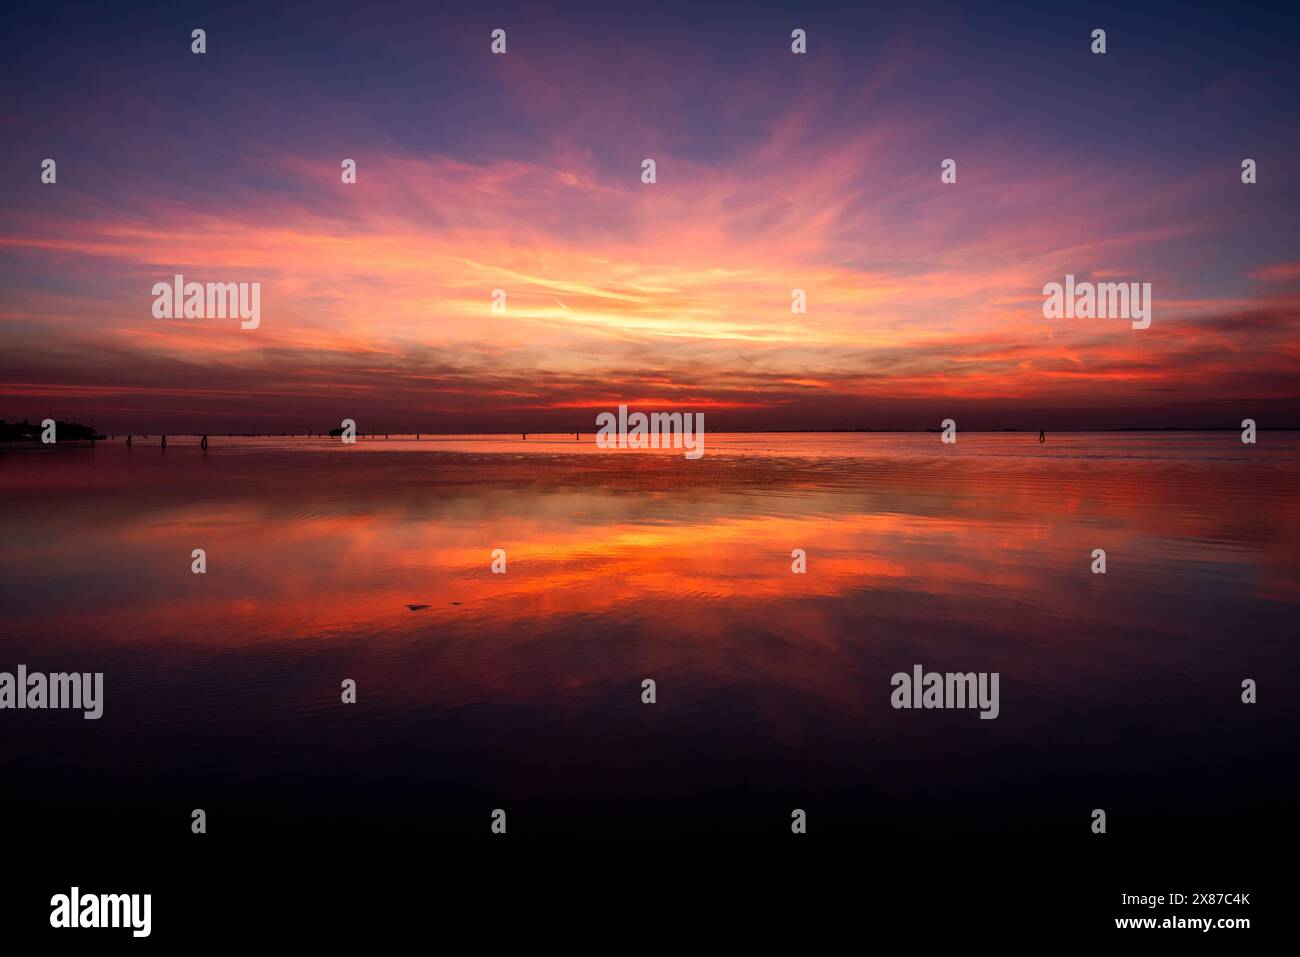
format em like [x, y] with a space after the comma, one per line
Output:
[24, 431]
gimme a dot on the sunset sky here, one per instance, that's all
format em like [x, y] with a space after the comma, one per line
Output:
[523, 172]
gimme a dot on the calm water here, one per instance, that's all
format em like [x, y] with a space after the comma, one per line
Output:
[522, 691]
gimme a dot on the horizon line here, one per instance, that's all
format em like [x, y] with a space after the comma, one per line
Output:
[323, 433]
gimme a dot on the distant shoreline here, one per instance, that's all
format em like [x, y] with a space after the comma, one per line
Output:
[155, 437]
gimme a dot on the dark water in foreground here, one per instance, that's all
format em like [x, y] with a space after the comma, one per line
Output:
[523, 691]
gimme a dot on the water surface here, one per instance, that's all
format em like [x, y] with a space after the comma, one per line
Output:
[523, 690]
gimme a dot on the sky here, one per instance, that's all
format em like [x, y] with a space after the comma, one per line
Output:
[774, 172]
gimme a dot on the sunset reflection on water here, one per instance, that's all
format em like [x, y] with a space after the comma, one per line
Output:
[625, 565]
